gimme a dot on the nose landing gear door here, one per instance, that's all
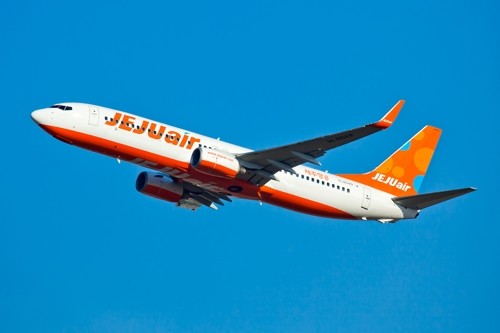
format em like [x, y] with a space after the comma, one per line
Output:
[93, 115]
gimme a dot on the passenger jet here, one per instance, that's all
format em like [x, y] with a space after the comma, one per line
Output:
[193, 170]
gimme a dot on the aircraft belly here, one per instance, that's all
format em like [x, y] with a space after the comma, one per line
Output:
[307, 197]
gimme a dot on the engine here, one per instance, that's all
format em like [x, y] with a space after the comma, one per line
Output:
[216, 163]
[159, 186]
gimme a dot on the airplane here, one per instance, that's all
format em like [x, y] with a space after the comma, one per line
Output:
[193, 170]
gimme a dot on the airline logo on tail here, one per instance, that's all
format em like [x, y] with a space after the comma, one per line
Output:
[394, 182]
[402, 173]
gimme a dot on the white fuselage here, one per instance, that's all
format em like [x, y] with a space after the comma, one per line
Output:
[168, 149]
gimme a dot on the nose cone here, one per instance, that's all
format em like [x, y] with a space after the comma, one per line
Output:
[40, 116]
[35, 115]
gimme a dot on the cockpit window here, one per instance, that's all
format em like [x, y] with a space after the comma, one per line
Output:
[62, 107]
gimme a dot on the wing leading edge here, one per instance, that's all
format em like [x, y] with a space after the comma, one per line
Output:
[261, 165]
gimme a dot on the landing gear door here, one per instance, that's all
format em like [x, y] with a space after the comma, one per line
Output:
[93, 115]
[366, 198]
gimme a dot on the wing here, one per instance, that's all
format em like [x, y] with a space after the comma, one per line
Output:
[261, 165]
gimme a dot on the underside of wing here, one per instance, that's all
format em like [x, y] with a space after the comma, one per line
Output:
[195, 196]
[263, 164]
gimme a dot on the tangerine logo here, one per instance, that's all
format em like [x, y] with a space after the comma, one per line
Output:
[126, 123]
[391, 182]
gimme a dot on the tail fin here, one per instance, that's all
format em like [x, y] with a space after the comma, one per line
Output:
[402, 173]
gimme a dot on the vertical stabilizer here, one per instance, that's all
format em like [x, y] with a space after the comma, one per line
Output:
[402, 173]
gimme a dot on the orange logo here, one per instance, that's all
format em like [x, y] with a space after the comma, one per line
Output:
[391, 181]
[126, 123]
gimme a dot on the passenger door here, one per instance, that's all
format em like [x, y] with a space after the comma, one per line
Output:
[366, 198]
[93, 115]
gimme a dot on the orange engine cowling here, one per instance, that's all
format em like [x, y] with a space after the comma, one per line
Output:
[159, 186]
[216, 163]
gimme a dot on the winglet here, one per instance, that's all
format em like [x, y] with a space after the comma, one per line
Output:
[390, 116]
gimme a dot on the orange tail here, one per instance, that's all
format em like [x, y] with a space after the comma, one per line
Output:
[402, 173]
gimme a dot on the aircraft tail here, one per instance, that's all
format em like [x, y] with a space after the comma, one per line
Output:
[402, 173]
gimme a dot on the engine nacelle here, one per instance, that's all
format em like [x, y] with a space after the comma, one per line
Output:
[159, 186]
[216, 163]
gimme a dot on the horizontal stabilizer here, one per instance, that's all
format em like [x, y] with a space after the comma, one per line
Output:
[421, 201]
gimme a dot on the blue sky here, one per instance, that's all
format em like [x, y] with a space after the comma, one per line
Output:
[82, 251]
